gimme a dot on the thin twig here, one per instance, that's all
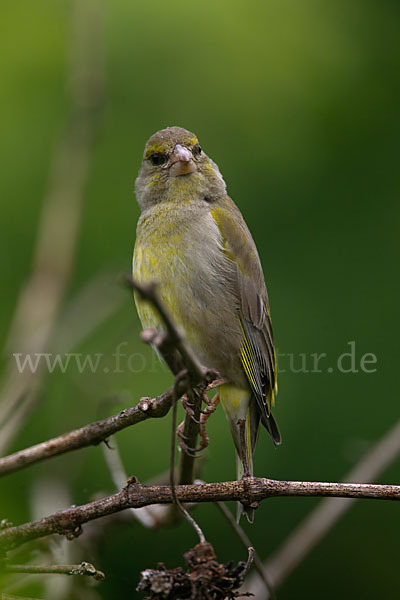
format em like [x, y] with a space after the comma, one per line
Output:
[246, 542]
[183, 510]
[69, 521]
[250, 559]
[84, 568]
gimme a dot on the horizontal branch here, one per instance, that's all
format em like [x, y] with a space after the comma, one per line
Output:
[89, 435]
[249, 491]
[99, 431]
[84, 568]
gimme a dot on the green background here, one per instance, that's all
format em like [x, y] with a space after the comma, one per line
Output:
[298, 103]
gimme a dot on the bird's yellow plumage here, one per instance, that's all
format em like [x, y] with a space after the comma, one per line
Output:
[192, 240]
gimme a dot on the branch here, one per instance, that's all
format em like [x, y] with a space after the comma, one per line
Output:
[134, 495]
[84, 568]
[94, 433]
[89, 435]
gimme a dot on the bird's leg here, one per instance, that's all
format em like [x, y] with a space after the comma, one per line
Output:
[187, 406]
[182, 440]
[212, 404]
[180, 377]
[243, 452]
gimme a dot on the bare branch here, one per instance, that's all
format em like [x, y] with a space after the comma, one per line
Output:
[92, 434]
[84, 568]
[250, 559]
[69, 521]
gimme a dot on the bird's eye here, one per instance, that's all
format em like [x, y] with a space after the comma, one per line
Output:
[157, 158]
[197, 150]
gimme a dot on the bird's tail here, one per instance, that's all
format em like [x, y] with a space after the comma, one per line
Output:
[241, 508]
[239, 405]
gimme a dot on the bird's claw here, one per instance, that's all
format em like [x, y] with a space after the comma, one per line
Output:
[184, 446]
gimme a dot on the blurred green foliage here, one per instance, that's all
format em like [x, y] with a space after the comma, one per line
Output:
[298, 103]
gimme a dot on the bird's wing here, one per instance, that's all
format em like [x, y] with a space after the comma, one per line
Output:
[257, 352]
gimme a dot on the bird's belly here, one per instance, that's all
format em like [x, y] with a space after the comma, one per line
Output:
[195, 289]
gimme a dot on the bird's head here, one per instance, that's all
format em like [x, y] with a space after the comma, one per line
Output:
[175, 168]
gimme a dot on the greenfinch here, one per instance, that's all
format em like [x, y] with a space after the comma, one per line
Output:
[192, 240]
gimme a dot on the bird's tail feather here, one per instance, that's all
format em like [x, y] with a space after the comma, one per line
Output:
[272, 427]
[241, 508]
[238, 406]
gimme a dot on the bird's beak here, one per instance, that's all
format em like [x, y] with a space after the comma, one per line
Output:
[181, 161]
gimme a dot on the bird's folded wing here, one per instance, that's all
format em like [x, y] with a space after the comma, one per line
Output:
[258, 352]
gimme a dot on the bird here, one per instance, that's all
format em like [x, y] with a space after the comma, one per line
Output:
[192, 239]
